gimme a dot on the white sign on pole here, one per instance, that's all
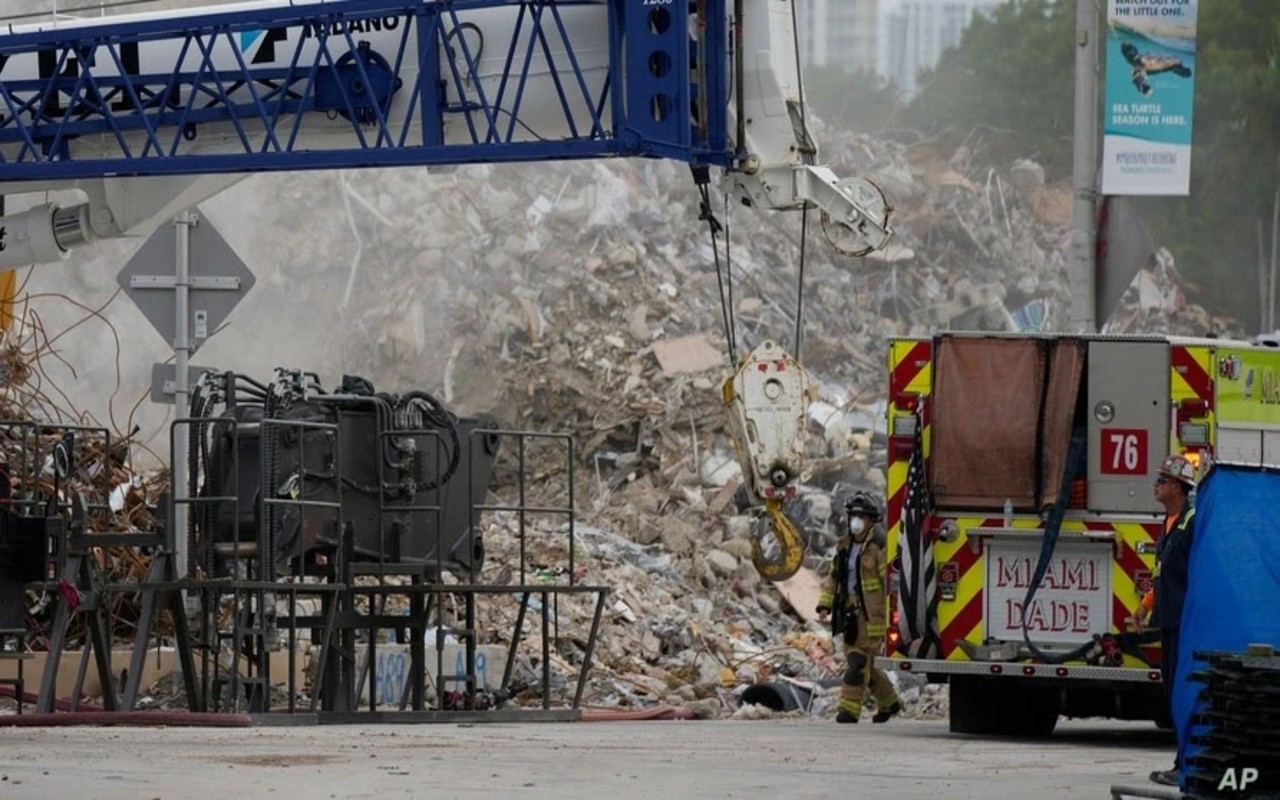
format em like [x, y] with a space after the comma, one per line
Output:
[1150, 88]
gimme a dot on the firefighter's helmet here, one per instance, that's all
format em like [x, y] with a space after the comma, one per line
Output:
[864, 504]
[1180, 469]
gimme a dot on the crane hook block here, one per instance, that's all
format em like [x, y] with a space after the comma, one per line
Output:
[766, 400]
[790, 551]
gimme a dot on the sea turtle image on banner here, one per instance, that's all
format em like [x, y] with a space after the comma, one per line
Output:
[1147, 64]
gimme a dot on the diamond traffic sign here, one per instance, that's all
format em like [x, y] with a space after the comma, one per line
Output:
[218, 280]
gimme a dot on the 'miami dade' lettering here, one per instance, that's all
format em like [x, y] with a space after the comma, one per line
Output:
[1054, 615]
[1063, 574]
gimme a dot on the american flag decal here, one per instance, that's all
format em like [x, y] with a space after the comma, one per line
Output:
[918, 581]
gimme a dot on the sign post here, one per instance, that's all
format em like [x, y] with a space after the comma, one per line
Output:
[182, 388]
[185, 299]
[1084, 180]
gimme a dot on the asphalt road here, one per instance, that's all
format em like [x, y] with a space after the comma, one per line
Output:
[778, 758]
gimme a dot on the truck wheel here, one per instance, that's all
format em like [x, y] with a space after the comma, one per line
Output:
[971, 705]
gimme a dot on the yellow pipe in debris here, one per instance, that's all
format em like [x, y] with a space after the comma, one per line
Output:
[8, 289]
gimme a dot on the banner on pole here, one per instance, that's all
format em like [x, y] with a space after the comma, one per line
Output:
[1150, 86]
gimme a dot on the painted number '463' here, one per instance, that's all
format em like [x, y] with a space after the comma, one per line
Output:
[657, 2]
[1124, 451]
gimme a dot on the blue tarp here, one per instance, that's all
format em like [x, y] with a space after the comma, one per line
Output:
[1234, 582]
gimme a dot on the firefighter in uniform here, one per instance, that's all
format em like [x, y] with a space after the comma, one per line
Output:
[1174, 482]
[854, 596]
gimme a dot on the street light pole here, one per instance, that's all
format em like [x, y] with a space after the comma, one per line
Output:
[1084, 217]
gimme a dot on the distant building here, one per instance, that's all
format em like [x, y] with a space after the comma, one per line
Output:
[839, 33]
[914, 33]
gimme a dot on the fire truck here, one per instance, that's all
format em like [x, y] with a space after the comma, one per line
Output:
[1016, 457]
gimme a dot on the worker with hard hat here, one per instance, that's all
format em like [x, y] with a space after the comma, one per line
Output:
[854, 596]
[1175, 480]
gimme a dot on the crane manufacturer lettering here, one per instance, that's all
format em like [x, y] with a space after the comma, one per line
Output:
[375, 25]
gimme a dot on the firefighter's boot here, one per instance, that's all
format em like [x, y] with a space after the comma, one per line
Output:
[1165, 777]
[844, 716]
[884, 714]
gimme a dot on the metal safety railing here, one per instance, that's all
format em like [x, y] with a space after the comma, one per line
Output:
[39, 458]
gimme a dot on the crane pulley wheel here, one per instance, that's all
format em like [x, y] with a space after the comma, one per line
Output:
[851, 237]
[790, 554]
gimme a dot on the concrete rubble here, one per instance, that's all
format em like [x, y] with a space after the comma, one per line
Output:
[582, 298]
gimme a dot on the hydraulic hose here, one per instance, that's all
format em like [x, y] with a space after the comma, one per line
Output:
[437, 415]
[1052, 527]
[267, 532]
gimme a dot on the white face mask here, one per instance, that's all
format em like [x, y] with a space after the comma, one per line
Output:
[857, 525]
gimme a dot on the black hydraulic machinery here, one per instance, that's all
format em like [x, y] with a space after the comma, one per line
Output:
[350, 519]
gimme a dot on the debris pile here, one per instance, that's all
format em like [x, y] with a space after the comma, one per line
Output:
[85, 470]
[584, 298]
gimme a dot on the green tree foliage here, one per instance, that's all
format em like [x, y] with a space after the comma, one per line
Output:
[1010, 81]
[1235, 164]
[1013, 74]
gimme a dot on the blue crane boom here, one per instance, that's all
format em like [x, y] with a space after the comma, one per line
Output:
[145, 114]
[364, 83]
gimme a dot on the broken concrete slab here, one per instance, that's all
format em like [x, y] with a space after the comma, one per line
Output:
[687, 354]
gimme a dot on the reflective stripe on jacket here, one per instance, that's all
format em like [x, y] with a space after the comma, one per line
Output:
[867, 600]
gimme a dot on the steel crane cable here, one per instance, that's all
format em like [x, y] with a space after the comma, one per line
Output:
[808, 154]
[804, 237]
[724, 276]
[728, 279]
[807, 150]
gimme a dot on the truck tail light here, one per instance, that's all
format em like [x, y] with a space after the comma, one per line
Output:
[903, 426]
[907, 403]
[895, 635]
[1194, 434]
[902, 436]
[1193, 430]
[1192, 408]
